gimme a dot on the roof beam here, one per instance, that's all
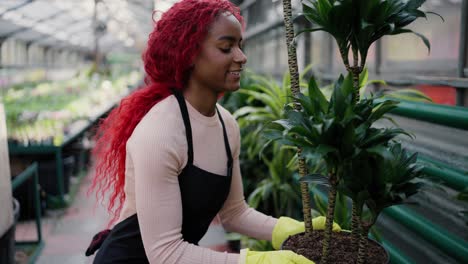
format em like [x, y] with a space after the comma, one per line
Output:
[27, 2]
[69, 33]
[11, 34]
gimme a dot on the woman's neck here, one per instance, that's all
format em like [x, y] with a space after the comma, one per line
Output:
[204, 100]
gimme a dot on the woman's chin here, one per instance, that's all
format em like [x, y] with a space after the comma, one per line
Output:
[233, 88]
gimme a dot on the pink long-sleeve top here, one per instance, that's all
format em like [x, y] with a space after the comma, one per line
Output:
[156, 155]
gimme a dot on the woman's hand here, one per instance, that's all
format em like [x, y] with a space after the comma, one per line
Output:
[272, 257]
[286, 227]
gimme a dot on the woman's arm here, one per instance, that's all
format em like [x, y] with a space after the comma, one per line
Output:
[236, 215]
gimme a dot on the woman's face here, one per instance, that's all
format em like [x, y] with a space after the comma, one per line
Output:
[218, 66]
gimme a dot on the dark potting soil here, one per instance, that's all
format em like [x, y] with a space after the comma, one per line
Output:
[340, 249]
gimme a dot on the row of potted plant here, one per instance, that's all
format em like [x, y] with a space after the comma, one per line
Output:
[45, 113]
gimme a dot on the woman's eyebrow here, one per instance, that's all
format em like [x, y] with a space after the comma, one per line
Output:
[229, 38]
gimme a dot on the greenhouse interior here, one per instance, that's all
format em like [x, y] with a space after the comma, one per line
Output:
[349, 112]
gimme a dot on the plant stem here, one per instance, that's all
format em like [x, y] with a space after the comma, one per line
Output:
[355, 228]
[363, 243]
[355, 72]
[294, 73]
[355, 58]
[330, 216]
[305, 195]
[292, 56]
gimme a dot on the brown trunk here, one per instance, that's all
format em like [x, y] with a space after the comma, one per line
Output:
[305, 195]
[355, 73]
[330, 216]
[363, 244]
[294, 73]
[355, 228]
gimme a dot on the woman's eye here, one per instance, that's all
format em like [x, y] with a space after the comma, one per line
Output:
[226, 50]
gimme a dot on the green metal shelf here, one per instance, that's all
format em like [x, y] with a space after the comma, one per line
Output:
[451, 116]
[38, 244]
[451, 177]
[57, 151]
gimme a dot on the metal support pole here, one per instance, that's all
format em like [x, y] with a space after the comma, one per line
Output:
[463, 54]
[97, 57]
[37, 207]
[60, 176]
[378, 62]
[307, 52]
[460, 96]
[2, 40]
[330, 54]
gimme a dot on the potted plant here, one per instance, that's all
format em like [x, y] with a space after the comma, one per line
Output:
[340, 130]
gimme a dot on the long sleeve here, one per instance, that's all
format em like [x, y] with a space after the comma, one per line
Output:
[156, 160]
[236, 215]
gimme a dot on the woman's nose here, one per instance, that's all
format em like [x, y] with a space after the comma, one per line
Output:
[240, 57]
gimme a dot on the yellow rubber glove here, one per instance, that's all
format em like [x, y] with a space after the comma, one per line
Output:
[272, 257]
[286, 227]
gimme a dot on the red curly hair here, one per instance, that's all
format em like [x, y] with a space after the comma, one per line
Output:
[172, 47]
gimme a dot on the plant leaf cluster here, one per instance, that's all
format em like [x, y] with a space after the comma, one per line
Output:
[356, 24]
[371, 168]
[378, 181]
[338, 130]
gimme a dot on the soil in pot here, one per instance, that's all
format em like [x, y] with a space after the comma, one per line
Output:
[340, 249]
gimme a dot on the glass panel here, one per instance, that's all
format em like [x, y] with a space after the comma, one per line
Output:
[406, 52]
[282, 51]
[269, 52]
[318, 50]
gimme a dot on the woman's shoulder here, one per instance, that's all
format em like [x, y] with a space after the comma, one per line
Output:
[162, 122]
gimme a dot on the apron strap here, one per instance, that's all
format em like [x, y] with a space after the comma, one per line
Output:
[188, 131]
[226, 145]
[188, 127]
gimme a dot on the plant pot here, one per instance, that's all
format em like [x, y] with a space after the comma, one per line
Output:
[340, 248]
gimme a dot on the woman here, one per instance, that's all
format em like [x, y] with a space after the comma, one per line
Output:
[169, 153]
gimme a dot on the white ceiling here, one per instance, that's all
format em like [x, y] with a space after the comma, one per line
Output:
[62, 22]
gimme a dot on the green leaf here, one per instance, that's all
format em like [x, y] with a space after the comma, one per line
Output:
[324, 150]
[320, 204]
[316, 95]
[309, 107]
[381, 151]
[315, 178]
[363, 78]
[246, 110]
[272, 134]
[443, 20]
[409, 95]
[284, 123]
[381, 109]
[309, 30]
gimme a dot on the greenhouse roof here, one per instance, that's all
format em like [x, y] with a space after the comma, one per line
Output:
[121, 24]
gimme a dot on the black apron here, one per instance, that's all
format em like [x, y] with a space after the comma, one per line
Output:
[203, 194]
